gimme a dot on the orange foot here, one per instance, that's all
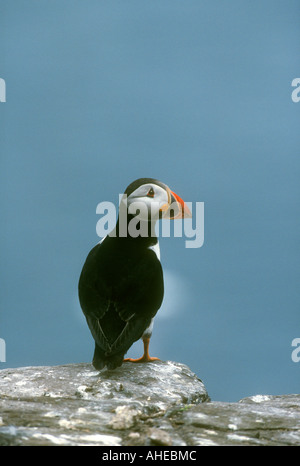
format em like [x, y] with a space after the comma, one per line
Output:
[142, 359]
[145, 357]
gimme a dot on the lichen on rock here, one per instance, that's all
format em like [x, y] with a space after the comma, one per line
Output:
[160, 403]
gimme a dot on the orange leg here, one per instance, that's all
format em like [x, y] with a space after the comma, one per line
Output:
[145, 357]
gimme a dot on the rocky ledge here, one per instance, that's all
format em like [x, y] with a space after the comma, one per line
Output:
[161, 403]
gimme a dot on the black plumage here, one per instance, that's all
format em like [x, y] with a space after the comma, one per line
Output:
[120, 290]
[121, 284]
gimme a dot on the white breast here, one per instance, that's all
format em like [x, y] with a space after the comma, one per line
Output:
[156, 249]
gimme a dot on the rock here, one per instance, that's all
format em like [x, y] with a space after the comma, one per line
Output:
[124, 418]
[161, 403]
[76, 405]
[257, 420]
[160, 438]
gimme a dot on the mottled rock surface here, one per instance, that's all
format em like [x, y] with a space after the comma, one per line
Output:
[76, 405]
[161, 403]
[258, 420]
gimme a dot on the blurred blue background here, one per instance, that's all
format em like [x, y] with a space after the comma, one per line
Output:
[196, 94]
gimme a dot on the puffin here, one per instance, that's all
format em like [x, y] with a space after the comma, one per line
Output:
[121, 284]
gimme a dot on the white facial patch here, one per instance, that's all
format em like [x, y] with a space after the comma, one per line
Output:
[140, 204]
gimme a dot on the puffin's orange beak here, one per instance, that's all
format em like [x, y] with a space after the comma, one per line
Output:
[176, 208]
[184, 211]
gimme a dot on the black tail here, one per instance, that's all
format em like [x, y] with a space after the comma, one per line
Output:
[100, 359]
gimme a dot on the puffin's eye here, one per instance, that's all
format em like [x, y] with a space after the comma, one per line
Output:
[150, 192]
